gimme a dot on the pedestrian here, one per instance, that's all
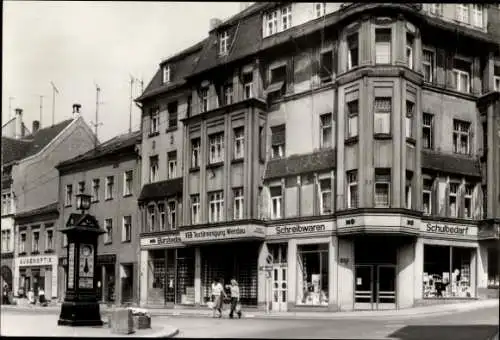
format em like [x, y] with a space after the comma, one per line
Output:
[31, 296]
[235, 299]
[41, 298]
[217, 296]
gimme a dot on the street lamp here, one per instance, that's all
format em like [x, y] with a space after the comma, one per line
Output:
[80, 306]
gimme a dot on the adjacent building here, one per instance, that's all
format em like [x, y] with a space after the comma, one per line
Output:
[30, 196]
[352, 149]
[111, 174]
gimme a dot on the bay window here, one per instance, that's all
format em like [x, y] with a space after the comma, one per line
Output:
[383, 46]
[382, 115]
[312, 274]
[195, 209]
[216, 152]
[276, 201]
[216, 206]
[352, 189]
[382, 188]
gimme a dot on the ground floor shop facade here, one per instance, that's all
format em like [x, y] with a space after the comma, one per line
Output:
[38, 272]
[330, 265]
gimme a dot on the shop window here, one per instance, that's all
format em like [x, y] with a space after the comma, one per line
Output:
[95, 189]
[352, 189]
[326, 67]
[228, 94]
[382, 115]
[195, 153]
[154, 168]
[216, 152]
[410, 113]
[383, 46]
[278, 140]
[452, 199]
[154, 117]
[69, 195]
[468, 189]
[326, 135]
[239, 143]
[409, 50]
[408, 191]
[325, 196]
[161, 214]
[276, 202]
[110, 181]
[428, 65]
[172, 213]
[185, 276]
[204, 99]
[352, 51]
[216, 207]
[128, 177]
[172, 164]
[312, 275]
[238, 200]
[195, 209]
[427, 127]
[493, 268]
[382, 188]
[447, 272]
[352, 122]
[35, 248]
[81, 187]
[108, 228]
[461, 136]
[461, 75]
[248, 85]
[427, 196]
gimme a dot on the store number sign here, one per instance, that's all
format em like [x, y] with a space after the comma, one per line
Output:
[71, 266]
[86, 268]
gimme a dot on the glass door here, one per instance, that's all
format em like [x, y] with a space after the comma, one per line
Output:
[363, 281]
[279, 288]
[386, 287]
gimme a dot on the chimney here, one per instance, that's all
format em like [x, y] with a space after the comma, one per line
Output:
[214, 23]
[19, 132]
[36, 126]
[76, 110]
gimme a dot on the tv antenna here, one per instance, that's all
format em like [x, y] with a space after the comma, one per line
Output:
[54, 91]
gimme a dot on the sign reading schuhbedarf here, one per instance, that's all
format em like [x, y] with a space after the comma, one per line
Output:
[300, 229]
[223, 233]
[453, 230]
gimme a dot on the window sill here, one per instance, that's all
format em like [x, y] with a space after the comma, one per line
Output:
[153, 134]
[215, 165]
[171, 129]
[382, 136]
[411, 141]
[351, 140]
[237, 160]
[194, 169]
[127, 195]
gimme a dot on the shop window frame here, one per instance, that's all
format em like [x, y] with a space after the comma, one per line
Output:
[323, 247]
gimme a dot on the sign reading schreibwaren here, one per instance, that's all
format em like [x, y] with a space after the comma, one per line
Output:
[300, 229]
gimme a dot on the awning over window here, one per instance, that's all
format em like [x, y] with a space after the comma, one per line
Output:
[274, 87]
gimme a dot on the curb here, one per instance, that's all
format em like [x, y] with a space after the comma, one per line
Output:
[162, 334]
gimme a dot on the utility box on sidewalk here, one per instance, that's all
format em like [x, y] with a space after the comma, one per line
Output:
[122, 321]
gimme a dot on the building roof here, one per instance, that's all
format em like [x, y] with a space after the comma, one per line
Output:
[9, 128]
[17, 149]
[451, 164]
[111, 146]
[163, 189]
[50, 208]
[300, 164]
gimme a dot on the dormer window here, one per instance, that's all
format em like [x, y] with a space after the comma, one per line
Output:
[271, 23]
[223, 43]
[477, 15]
[319, 9]
[204, 99]
[166, 74]
[286, 17]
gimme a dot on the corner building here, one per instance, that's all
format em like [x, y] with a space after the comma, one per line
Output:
[356, 144]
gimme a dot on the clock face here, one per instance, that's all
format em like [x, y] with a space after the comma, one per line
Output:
[86, 250]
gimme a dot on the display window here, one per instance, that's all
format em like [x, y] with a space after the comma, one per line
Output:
[312, 274]
[185, 276]
[447, 272]
[493, 272]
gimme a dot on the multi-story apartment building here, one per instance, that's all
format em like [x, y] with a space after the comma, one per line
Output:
[30, 191]
[110, 173]
[352, 147]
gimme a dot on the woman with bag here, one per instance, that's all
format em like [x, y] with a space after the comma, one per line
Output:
[235, 299]
[217, 296]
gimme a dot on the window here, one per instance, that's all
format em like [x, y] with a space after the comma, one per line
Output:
[427, 127]
[223, 43]
[161, 214]
[108, 228]
[216, 207]
[155, 120]
[238, 203]
[352, 189]
[410, 113]
[325, 196]
[6, 204]
[428, 65]
[127, 229]
[436, 9]
[248, 85]
[81, 187]
[36, 242]
[326, 70]
[239, 142]
[477, 15]
[172, 212]
[461, 132]
[154, 168]
[497, 83]
[276, 201]
[382, 46]
[128, 177]
[204, 99]
[326, 135]
[408, 191]
[319, 9]
[312, 274]
[195, 153]
[109, 187]
[461, 75]
[166, 74]
[468, 200]
[172, 114]
[463, 13]
[95, 189]
[228, 94]
[352, 51]
[188, 104]
[271, 23]
[286, 17]
[49, 239]
[65, 240]
[409, 50]
[195, 209]
[172, 164]
[382, 113]
[22, 242]
[382, 188]
[277, 83]
[278, 141]
[427, 196]
[452, 199]
[352, 118]
[216, 152]
[6, 236]
[69, 195]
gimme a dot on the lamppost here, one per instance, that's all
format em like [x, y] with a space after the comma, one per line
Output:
[80, 306]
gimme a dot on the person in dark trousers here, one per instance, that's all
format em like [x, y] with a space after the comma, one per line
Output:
[235, 299]
[218, 295]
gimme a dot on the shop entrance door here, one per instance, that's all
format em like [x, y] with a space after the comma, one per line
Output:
[375, 287]
[279, 290]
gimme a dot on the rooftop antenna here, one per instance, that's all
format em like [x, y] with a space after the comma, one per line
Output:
[10, 107]
[96, 124]
[54, 91]
[132, 79]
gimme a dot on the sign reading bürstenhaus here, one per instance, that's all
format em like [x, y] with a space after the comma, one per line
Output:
[166, 241]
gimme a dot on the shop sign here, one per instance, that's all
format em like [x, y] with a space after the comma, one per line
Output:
[37, 261]
[167, 241]
[449, 229]
[223, 233]
[300, 229]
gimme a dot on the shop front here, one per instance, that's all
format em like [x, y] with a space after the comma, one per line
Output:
[106, 278]
[37, 273]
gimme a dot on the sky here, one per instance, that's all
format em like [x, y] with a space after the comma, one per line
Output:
[78, 45]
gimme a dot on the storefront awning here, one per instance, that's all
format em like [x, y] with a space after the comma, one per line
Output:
[215, 234]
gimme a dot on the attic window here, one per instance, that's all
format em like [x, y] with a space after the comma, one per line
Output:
[166, 74]
[223, 43]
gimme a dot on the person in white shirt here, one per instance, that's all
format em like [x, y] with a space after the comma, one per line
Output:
[217, 295]
[235, 299]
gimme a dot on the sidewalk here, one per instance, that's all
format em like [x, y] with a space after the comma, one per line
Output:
[397, 314]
